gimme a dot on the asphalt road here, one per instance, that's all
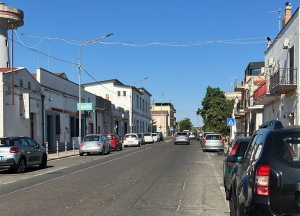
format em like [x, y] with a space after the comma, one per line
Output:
[155, 179]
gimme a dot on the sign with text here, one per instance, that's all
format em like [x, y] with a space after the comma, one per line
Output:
[85, 106]
[26, 105]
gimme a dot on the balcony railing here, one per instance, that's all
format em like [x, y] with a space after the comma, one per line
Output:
[283, 81]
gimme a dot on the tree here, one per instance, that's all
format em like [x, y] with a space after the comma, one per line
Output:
[185, 124]
[215, 110]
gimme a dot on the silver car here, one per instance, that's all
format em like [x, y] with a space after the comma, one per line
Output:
[17, 153]
[94, 143]
[213, 142]
[181, 137]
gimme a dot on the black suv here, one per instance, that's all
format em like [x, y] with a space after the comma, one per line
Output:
[266, 181]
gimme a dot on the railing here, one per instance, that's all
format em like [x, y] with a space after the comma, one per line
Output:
[260, 91]
[283, 76]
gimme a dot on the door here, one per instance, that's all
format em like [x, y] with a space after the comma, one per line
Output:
[27, 150]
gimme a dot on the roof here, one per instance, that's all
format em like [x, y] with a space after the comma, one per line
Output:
[7, 70]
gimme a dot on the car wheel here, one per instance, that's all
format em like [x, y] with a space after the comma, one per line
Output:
[232, 204]
[139, 145]
[43, 162]
[103, 151]
[21, 166]
[81, 154]
[108, 150]
[227, 194]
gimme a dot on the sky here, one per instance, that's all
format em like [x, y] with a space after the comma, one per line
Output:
[183, 46]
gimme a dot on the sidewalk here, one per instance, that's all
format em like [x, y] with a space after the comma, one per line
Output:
[62, 154]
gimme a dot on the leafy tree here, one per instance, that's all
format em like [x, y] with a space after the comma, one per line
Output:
[185, 124]
[215, 110]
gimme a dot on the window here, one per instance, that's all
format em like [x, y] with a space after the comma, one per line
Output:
[119, 93]
[124, 93]
[31, 142]
[21, 83]
[137, 101]
[29, 85]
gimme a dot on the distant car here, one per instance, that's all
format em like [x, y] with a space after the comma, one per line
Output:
[192, 135]
[114, 140]
[148, 138]
[156, 137]
[132, 139]
[94, 143]
[236, 148]
[203, 135]
[181, 137]
[161, 135]
[213, 142]
[141, 138]
[19, 152]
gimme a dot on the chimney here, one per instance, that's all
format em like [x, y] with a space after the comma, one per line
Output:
[288, 13]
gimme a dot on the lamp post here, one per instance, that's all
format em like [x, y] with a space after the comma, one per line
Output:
[79, 76]
[131, 93]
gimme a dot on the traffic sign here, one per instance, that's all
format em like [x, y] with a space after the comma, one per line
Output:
[230, 121]
[171, 129]
[86, 106]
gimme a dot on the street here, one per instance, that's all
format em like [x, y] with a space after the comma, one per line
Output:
[155, 179]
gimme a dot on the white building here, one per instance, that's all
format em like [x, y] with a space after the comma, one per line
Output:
[135, 100]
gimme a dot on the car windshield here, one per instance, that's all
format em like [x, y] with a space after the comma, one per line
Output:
[91, 138]
[5, 142]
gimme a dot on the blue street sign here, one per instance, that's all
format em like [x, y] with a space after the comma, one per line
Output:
[230, 121]
[171, 129]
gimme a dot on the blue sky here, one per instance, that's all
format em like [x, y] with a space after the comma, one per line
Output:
[183, 46]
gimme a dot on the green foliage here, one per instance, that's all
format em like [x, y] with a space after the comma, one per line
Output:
[185, 124]
[215, 110]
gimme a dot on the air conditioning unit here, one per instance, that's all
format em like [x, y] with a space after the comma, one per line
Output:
[286, 43]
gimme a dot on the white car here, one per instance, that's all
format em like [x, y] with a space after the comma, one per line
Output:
[156, 137]
[132, 139]
[148, 138]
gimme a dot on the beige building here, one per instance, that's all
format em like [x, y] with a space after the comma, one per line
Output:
[163, 118]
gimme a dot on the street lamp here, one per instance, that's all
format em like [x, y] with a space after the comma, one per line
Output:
[79, 76]
[131, 93]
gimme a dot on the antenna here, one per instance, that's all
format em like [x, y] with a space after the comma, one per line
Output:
[279, 17]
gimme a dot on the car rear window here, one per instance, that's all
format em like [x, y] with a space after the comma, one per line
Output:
[91, 138]
[213, 137]
[286, 148]
[130, 136]
[182, 134]
[4, 142]
[147, 134]
[108, 137]
[242, 147]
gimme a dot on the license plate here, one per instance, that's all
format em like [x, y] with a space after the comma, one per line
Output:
[1, 158]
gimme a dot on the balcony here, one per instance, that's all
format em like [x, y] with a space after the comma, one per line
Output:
[283, 81]
[262, 95]
[239, 111]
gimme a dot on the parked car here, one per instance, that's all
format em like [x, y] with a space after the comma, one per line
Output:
[114, 140]
[203, 135]
[161, 135]
[141, 138]
[199, 135]
[148, 138]
[236, 148]
[94, 143]
[156, 137]
[267, 179]
[132, 139]
[17, 153]
[181, 137]
[213, 142]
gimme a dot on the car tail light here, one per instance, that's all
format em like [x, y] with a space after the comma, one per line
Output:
[234, 148]
[262, 180]
[124, 138]
[81, 144]
[99, 144]
[14, 150]
[136, 138]
[230, 164]
[204, 140]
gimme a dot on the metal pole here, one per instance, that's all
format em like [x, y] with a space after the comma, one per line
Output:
[66, 152]
[57, 152]
[47, 147]
[73, 147]
[79, 77]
